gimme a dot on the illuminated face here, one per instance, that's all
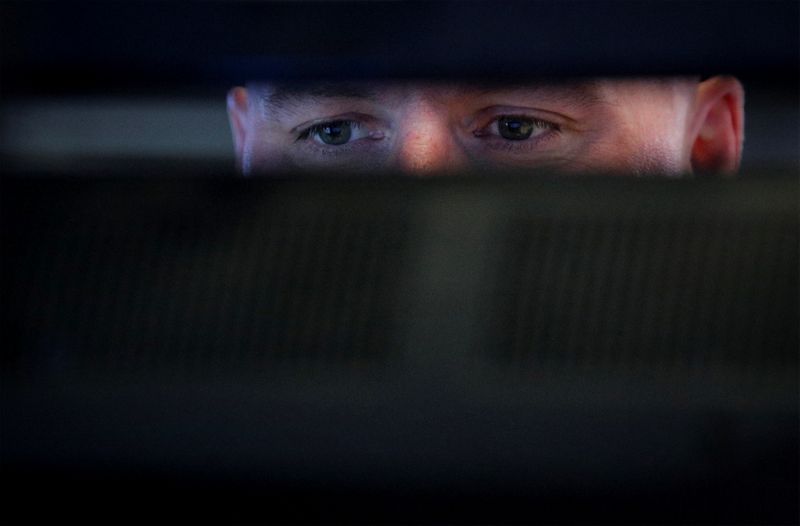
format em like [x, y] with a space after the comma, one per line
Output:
[635, 126]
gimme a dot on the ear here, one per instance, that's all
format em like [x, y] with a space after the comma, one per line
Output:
[716, 131]
[238, 106]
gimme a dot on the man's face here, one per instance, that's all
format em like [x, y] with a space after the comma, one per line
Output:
[633, 126]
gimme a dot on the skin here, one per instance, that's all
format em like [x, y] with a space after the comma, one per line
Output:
[636, 126]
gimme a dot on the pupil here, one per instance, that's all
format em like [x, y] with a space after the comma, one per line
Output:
[335, 133]
[515, 128]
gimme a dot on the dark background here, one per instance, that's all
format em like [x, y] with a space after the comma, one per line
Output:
[399, 350]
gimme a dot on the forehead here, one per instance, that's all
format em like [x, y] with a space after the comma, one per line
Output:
[288, 96]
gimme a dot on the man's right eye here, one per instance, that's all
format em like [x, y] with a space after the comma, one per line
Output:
[333, 133]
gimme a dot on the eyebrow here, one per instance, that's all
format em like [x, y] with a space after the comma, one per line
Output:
[284, 96]
[581, 93]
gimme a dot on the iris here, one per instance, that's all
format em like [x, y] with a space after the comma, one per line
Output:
[515, 128]
[335, 133]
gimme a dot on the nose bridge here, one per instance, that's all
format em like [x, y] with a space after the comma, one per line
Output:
[426, 139]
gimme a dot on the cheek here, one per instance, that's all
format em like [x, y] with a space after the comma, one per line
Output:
[644, 129]
[659, 156]
[264, 152]
[660, 147]
[658, 133]
[640, 145]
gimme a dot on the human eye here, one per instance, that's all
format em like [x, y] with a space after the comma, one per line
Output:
[517, 128]
[521, 135]
[333, 133]
[520, 128]
[349, 139]
[338, 132]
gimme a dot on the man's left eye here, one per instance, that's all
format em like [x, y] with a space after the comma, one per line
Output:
[519, 128]
[515, 128]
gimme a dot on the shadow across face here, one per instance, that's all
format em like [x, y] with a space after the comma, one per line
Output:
[669, 125]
